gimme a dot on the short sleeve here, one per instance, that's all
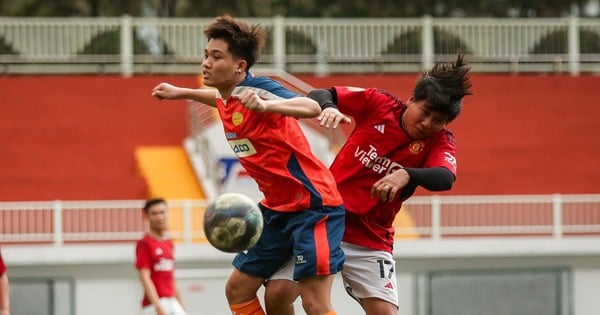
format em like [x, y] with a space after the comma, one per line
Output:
[142, 254]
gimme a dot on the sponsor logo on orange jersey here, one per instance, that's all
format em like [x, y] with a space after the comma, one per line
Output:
[242, 147]
[237, 118]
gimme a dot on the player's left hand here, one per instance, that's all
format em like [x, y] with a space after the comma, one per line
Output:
[252, 101]
[388, 187]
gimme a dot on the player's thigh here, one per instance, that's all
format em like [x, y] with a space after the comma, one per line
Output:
[281, 289]
[377, 306]
[317, 237]
[274, 248]
[242, 287]
[316, 287]
[286, 272]
[369, 274]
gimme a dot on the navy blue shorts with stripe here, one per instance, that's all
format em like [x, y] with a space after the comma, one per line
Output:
[311, 237]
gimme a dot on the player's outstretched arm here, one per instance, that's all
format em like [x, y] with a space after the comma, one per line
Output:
[171, 92]
[330, 116]
[299, 107]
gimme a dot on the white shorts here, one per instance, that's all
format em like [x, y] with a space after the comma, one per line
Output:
[286, 272]
[169, 304]
[369, 273]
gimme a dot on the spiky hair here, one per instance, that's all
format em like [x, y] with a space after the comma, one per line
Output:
[244, 41]
[444, 86]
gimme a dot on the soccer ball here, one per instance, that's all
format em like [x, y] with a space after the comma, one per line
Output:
[233, 222]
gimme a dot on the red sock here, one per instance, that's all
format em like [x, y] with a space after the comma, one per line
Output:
[248, 308]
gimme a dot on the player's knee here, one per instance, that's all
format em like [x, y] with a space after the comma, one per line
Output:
[315, 304]
[235, 293]
[241, 288]
[281, 291]
[312, 306]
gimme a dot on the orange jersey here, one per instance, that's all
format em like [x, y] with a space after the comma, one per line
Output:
[275, 152]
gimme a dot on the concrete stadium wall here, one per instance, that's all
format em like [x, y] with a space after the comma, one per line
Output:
[106, 282]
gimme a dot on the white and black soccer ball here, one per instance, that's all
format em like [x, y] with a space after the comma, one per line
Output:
[233, 222]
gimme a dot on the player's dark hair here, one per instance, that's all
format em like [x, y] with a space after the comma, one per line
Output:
[151, 202]
[444, 86]
[244, 41]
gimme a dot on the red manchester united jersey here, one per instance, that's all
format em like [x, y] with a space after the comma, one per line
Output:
[158, 256]
[274, 151]
[378, 146]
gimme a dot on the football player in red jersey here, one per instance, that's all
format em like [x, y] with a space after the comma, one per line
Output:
[4, 289]
[155, 261]
[302, 208]
[395, 147]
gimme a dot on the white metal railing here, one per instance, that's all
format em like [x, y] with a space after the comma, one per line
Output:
[432, 217]
[130, 45]
[526, 215]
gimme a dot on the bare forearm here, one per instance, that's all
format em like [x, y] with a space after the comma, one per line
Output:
[300, 107]
[203, 95]
[166, 91]
[149, 289]
[4, 294]
[178, 297]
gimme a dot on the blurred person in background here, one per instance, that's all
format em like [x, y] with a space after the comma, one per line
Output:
[395, 147]
[4, 289]
[155, 261]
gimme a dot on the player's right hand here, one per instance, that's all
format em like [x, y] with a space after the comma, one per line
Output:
[252, 101]
[331, 118]
[160, 310]
[165, 91]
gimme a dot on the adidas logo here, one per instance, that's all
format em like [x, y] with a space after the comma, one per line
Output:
[380, 127]
[389, 285]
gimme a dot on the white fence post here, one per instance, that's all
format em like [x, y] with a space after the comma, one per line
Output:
[126, 46]
[187, 221]
[557, 215]
[58, 223]
[436, 219]
[427, 44]
[279, 42]
[574, 65]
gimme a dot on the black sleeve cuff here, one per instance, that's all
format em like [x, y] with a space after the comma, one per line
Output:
[324, 97]
[432, 179]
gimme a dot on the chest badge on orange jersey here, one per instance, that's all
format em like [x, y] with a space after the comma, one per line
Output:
[237, 118]
[416, 147]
